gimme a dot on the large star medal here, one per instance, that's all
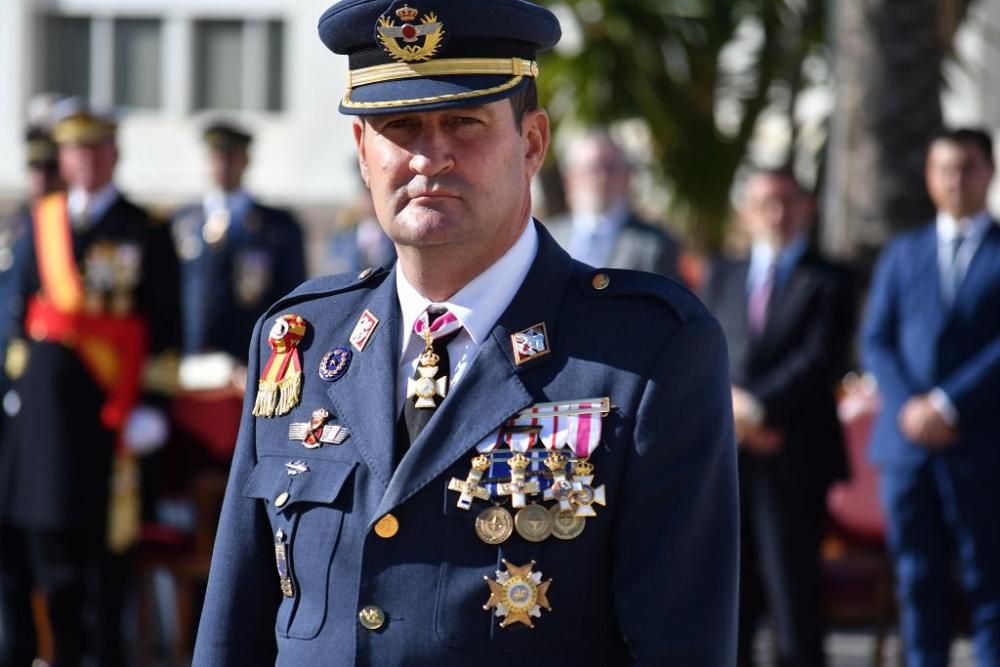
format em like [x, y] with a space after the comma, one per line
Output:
[518, 594]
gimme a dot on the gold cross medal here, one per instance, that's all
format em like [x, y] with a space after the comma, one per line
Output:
[471, 487]
[427, 387]
[584, 494]
[518, 487]
[518, 594]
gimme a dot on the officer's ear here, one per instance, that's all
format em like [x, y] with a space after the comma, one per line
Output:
[537, 135]
[359, 127]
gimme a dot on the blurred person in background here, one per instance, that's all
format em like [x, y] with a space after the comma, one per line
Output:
[931, 337]
[43, 179]
[788, 317]
[601, 228]
[99, 286]
[358, 242]
[237, 255]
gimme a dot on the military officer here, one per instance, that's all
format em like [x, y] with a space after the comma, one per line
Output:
[489, 453]
[238, 256]
[43, 179]
[99, 284]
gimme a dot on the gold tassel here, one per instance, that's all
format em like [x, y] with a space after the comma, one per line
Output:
[124, 505]
[267, 399]
[289, 391]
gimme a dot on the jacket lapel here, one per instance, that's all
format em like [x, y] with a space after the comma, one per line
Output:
[492, 390]
[979, 272]
[373, 373]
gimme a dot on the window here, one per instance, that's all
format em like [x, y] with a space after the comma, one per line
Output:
[239, 65]
[137, 63]
[218, 65]
[64, 70]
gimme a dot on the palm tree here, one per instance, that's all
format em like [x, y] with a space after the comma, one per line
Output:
[664, 62]
[888, 58]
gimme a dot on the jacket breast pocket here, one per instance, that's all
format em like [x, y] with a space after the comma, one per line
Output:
[306, 500]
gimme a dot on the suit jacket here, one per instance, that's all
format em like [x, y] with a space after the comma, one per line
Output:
[912, 342]
[227, 285]
[652, 578]
[639, 246]
[56, 456]
[793, 365]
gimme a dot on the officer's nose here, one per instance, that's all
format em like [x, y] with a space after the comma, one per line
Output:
[433, 154]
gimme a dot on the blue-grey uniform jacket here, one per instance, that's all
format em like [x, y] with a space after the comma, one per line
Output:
[651, 580]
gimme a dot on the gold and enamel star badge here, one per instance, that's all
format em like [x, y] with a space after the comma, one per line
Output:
[518, 594]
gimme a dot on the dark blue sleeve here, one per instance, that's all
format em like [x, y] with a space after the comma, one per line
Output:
[677, 546]
[238, 619]
[879, 333]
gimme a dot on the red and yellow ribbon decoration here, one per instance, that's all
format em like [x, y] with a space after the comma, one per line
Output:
[280, 384]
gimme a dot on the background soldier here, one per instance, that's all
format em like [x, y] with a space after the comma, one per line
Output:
[99, 282]
[599, 401]
[238, 256]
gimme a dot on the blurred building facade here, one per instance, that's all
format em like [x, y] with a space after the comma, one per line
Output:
[169, 65]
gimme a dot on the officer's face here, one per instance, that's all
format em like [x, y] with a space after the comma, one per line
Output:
[226, 167]
[455, 180]
[88, 166]
[958, 177]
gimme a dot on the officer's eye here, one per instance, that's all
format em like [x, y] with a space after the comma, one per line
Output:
[403, 122]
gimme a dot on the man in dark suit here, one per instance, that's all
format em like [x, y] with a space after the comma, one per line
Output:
[787, 315]
[238, 256]
[99, 286]
[931, 337]
[489, 437]
[601, 228]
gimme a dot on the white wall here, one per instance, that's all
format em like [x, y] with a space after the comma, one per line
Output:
[301, 156]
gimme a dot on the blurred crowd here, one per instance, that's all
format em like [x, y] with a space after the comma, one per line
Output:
[126, 337]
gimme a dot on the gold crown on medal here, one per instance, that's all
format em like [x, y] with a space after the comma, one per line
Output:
[480, 463]
[518, 462]
[583, 468]
[407, 14]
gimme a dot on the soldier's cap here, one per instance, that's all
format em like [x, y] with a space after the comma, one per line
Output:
[224, 136]
[40, 148]
[422, 55]
[74, 121]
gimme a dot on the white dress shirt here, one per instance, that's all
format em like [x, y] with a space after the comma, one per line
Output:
[86, 207]
[974, 228]
[593, 236]
[237, 203]
[477, 306]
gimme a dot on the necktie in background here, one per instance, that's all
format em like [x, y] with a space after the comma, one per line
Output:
[760, 296]
[953, 274]
[439, 327]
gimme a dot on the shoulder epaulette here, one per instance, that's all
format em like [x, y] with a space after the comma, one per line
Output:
[612, 283]
[327, 285]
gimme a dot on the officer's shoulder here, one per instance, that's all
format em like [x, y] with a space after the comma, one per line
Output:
[276, 215]
[329, 286]
[648, 290]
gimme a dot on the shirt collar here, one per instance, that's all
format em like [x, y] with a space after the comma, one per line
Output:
[236, 202]
[480, 303]
[763, 255]
[605, 223]
[973, 226]
[96, 204]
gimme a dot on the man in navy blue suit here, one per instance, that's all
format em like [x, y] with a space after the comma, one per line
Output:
[489, 453]
[931, 337]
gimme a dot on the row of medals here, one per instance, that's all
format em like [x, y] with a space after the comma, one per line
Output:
[535, 522]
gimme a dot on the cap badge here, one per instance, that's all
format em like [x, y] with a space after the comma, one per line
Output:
[416, 38]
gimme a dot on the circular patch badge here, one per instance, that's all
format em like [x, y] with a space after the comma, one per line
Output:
[334, 364]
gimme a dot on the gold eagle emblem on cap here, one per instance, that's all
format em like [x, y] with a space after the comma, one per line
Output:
[402, 41]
